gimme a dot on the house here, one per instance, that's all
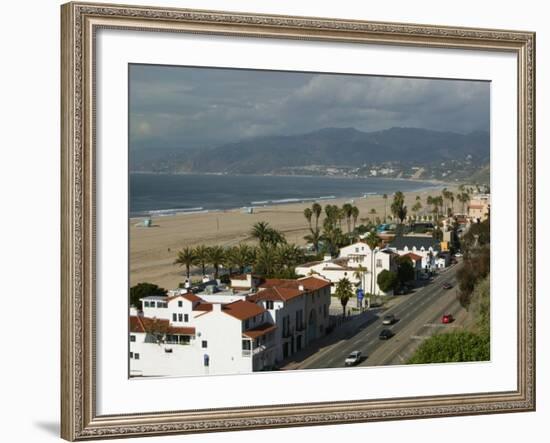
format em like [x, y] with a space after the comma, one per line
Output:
[424, 246]
[223, 331]
[357, 263]
[479, 207]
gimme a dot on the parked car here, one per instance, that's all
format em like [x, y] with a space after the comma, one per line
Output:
[353, 358]
[388, 319]
[458, 254]
[447, 318]
[385, 334]
[447, 285]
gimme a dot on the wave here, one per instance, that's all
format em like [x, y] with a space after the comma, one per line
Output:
[174, 211]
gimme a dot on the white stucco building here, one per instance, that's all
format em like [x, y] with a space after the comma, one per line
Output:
[229, 331]
[356, 262]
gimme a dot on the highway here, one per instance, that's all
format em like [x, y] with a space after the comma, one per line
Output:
[418, 317]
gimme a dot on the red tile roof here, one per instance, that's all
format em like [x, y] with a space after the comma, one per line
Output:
[181, 330]
[242, 309]
[259, 330]
[203, 306]
[413, 256]
[146, 324]
[309, 283]
[276, 293]
[188, 296]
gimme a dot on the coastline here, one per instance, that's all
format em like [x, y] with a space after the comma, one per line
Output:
[153, 250]
[166, 212]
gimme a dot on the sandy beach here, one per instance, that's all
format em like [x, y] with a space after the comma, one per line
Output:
[152, 250]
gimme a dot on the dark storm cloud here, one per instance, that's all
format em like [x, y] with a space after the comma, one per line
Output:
[194, 107]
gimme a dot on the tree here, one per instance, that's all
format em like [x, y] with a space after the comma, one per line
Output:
[387, 280]
[347, 211]
[344, 291]
[457, 346]
[308, 213]
[186, 257]
[142, 290]
[314, 237]
[385, 197]
[405, 270]
[266, 260]
[216, 257]
[317, 209]
[242, 256]
[398, 208]
[354, 215]
[260, 231]
[201, 252]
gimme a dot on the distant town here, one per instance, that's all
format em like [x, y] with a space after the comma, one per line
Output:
[406, 282]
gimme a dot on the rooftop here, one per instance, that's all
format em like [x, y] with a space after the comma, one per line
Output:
[259, 330]
[242, 309]
[399, 243]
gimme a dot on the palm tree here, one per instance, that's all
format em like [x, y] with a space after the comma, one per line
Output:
[289, 256]
[385, 197]
[317, 209]
[347, 211]
[216, 257]
[373, 241]
[354, 215]
[266, 260]
[314, 237]
[201, 252]
[398, 207]
[242, 256]
[344, 291]
[260, 231]
[186, 257]
[308, 213]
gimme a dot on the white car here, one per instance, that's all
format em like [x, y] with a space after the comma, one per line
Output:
[353, 358]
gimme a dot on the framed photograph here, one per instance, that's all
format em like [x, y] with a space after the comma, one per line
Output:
[277, 221]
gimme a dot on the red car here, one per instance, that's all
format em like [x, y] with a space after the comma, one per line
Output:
[447, 318]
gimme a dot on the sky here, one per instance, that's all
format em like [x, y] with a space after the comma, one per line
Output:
[188, 107]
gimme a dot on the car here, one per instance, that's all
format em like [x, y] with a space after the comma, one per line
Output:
[388, 319]
[385, 334]
[447, 285]
[353, 358]
[447, 318]
[458, 255]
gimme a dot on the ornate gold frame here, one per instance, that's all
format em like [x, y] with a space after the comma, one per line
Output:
[79, 420]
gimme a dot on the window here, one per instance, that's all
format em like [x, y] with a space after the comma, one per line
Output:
[356, 249]
[131, 355]
[246, 324]
[180, 304]
[378, 263]
[152, 304]
[204, 344]
[269, 304]
[136, 356]
[186, 317]
[168, 350]
[145, 304]
[180, 317]
[174, 317]
[132, 338]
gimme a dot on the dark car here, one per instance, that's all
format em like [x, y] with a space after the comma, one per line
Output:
[385, 334]
[447, 285]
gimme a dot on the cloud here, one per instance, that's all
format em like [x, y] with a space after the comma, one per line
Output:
[194, 107]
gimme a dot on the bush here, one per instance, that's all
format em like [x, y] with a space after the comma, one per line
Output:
[458, 346]
[142, 290]
[387, 280]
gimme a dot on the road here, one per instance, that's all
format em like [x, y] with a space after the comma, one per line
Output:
[418, 317]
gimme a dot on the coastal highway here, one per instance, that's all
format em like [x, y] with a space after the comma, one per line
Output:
[418, 317]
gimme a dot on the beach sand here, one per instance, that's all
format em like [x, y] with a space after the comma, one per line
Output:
[153, 250]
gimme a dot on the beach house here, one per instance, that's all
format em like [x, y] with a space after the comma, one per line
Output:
[227, 330]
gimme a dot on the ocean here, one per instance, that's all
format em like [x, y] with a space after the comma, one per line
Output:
[166, 194]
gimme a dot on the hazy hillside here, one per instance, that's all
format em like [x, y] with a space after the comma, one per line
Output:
[330, 146]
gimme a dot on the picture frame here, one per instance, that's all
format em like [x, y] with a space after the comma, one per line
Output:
[79, 401]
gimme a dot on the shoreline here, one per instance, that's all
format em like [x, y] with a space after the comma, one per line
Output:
[153, 250]
[256, 204]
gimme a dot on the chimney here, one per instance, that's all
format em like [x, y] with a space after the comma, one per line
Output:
[301, 288]
[327, 257]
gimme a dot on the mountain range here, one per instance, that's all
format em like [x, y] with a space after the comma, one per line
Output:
[327, 147]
